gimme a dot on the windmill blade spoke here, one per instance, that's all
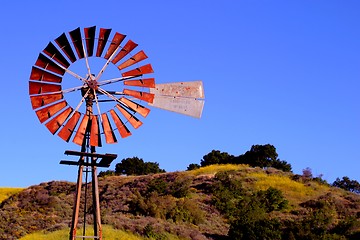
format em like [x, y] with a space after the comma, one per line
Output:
[97, 103]
[98, 76]
[114, 80]
[86, 60]
[109, 95]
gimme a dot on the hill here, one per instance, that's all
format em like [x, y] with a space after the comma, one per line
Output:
[207, 203]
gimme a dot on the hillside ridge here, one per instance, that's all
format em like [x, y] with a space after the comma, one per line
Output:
[189, 204]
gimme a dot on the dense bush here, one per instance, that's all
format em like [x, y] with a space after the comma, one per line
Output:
[166, 207]
[137, 166]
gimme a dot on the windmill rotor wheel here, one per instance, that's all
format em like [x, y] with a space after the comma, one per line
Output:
[72, 95]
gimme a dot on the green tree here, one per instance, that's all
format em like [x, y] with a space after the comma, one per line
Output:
[137, 166]
[193, 166]
[347, 184]
[263, 156]
[216, 157]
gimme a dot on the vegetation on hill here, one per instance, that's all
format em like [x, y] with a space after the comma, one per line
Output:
[219, 201]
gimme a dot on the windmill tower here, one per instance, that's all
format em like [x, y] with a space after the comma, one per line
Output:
[90, 96]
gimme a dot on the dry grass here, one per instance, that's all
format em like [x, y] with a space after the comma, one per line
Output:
[295, 192]
[6, 192]
[213, 169]
[109, 233]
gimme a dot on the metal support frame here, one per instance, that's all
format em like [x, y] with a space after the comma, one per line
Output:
[88, 159]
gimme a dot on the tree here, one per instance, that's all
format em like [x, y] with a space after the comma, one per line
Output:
[347, 184]
[137, 166]
[216, 157]
[263, 156]
[193, 166]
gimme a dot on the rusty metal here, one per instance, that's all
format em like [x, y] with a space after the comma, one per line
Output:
[116, 41]
[139, 71]
[95, 139]
[49, 111]
[64, 44]
[103, 37]
[123, 130]
[43, 100]
[77, 42]
[55, 54]
[108, 131]
[136, 123]
[90, 39]
[81, 131]
[40, 87]
[145, 82]
[145, 96]
[129, 46]
[68, 129]
[47, 64]
[56, 122]
[133, 60]
[143, 111]
[41, 75]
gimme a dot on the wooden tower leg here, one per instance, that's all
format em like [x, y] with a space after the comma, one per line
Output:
[96, 203]
[75, 217]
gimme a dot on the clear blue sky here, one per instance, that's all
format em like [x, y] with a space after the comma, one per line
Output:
[280, 72]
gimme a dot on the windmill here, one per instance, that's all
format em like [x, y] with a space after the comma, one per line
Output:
[90, 90]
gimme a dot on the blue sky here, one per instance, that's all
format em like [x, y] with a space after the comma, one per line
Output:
[280, 72]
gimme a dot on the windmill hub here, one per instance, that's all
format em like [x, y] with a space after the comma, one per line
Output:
[92, 82]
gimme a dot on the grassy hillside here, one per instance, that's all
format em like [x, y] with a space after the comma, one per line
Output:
[109, 234]
[206, 203]
[7, 192]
